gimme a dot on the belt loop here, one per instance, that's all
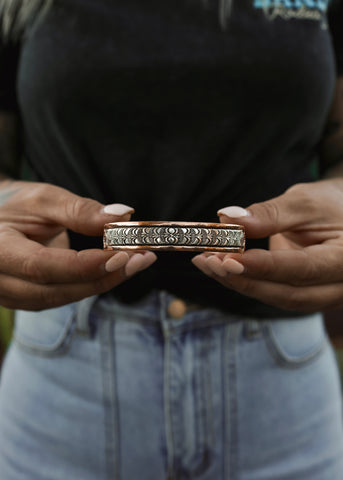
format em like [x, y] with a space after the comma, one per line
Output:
[163, 303]
[164, 298]
[83, 321]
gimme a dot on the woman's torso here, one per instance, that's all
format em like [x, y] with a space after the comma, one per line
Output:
[156, 106]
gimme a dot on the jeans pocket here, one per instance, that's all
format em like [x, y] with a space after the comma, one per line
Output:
[45, 333]
[295, 342]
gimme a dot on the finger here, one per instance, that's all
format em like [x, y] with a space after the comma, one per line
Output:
[56, 205]
[212, 262]
[139, 261]
[280, 214]
[200, 262]
[59, 241]
[303, 299]
[281, 241]
[288, 297]
[38, 264]
[315, 265]
[31, 261]
[22, 294]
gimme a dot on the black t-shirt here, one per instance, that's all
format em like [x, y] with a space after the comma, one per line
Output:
[154, 105]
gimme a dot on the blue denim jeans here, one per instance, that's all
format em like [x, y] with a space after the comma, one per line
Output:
[101, 390]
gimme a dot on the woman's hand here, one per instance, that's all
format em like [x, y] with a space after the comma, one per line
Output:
[37, 268]
[303, 269]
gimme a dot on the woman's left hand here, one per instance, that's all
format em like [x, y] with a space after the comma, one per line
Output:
[303, 268]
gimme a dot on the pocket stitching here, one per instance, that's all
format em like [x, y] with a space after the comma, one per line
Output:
[286, 360]
[56, 348]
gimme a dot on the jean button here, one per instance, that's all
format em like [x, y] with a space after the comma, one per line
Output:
[177, 308]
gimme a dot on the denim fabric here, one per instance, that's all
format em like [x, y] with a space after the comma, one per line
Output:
[101, 390]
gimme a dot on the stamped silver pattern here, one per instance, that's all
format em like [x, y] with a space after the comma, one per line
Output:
[173, 236]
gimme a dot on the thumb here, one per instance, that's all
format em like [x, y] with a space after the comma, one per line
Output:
[266, 218]
[79, 214]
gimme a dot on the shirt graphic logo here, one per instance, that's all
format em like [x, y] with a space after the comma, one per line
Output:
[296, 9]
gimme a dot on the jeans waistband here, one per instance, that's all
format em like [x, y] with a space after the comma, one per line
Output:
[158, 307]
[154, 311]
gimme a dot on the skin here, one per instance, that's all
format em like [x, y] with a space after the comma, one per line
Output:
[303, 268]
[37, 268]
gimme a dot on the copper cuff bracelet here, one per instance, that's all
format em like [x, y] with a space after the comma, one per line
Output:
[182, 236]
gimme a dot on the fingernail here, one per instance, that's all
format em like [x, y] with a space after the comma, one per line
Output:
[234, 212]
[200, 262]
[117, 261]
[118, 209]
[234, 267]
[216, 266]
[139, 262]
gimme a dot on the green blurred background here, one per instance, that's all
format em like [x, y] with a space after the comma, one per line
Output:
[6, 326]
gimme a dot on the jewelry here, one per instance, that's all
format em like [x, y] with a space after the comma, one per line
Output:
[183, 236]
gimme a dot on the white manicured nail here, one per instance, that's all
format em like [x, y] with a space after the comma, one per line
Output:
[216, 265]
[234, 212]
[200, 262]
[118, 209]
[234, 267]
[117, 261]
[139, 262]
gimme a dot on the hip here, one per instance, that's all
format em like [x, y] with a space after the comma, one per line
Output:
[103, 390]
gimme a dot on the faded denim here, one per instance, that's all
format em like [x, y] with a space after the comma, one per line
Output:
[105, 391]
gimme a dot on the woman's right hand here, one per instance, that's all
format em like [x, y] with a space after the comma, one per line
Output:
[38, 270]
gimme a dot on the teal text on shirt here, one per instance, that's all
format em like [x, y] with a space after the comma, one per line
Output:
[293, 4]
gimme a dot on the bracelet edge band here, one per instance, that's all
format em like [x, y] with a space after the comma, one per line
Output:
[166, 235]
